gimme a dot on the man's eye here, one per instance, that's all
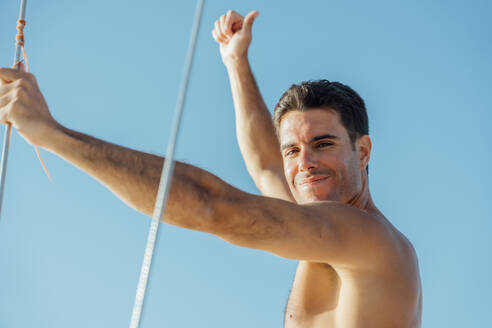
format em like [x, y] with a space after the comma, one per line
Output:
[324, 144]
[290, 152]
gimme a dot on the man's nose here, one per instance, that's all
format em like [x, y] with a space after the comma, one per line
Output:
[307, 160]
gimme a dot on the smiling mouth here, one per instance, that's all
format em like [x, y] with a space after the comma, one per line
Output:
[312, 180]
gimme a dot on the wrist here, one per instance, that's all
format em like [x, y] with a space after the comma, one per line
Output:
[236, 61]
[53, 135]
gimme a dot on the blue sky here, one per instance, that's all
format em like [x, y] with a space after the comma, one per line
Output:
[70, 251]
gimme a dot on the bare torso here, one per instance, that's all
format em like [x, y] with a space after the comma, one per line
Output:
[388, 296]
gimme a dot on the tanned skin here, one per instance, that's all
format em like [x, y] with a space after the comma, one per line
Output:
[318, 164]
[355, 269]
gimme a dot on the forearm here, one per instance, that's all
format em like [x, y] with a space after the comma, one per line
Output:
[134, 176]
[255, 131]
[199, 200]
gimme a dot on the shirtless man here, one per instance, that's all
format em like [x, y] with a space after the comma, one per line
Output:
[323, 157]
[355, 269]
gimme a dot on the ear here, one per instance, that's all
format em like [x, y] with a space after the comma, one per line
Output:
[363, 146]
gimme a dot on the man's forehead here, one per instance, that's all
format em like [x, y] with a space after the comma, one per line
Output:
[310, 123]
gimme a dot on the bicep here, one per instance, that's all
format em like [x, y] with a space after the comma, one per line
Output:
[266, 169]
[327, 232]
[272, 183]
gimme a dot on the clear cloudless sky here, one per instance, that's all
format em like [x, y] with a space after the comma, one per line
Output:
[70, 251]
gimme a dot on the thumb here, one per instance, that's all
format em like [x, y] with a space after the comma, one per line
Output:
[21, 67]
[8, 75]
[249, 19]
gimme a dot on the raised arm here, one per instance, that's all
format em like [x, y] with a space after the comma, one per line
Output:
[325, 232]
[255, 132]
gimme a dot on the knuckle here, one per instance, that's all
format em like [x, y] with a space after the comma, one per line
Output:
[22, 83]
[15, 98]
[21, 89]
[31, 77]
[18, 93]
[9, 110]
[16, 108]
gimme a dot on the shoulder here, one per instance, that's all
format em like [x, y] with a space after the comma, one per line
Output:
[398, 252]
[361, 238]
[374, 241]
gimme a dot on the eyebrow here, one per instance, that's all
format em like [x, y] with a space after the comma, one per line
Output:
[323, 136]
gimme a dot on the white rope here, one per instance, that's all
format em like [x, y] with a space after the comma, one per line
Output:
[166, 176]
[6, 136]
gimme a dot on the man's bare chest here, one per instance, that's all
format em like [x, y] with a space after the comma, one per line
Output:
[313, 297]
[324, 297]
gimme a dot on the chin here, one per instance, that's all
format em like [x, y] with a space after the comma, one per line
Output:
[318, 197]
[318, 191]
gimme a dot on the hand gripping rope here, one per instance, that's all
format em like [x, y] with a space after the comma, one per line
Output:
[166, 175]
[20, 56]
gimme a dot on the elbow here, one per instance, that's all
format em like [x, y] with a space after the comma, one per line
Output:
[204, 206]
[243, 220]
[219, 217]
[229, 217]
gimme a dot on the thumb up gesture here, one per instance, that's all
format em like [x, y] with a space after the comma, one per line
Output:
[233, 33]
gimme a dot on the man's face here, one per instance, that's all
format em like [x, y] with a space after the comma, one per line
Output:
[319, 160]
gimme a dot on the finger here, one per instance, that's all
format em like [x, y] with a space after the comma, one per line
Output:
[228, 23]
[222, 24]
[21, 67]
[249, 19]
[214, 35]
[236, 21]
[218, 32]
[4, 113]
[20, 85]
[221, 28]
[8, 75]
[6, 89]
[5, 100]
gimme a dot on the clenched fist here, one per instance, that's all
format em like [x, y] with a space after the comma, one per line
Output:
[233, 33]
[23, 106]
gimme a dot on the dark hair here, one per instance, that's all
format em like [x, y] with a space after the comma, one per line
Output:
[322, 94]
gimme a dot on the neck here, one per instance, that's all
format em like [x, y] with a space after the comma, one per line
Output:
[363, 200]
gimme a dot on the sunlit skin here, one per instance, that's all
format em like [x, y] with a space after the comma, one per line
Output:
[320, 161]
[356, 270]
[318, 165]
